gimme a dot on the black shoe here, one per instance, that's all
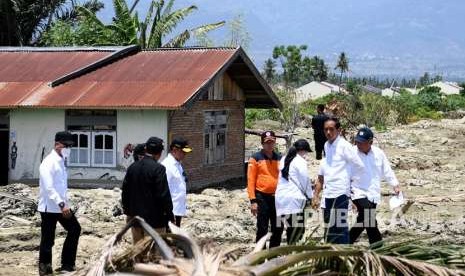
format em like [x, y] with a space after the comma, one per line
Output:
[66, 268]
[45, 269]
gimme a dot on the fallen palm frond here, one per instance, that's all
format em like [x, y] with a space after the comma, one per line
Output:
[160, 255]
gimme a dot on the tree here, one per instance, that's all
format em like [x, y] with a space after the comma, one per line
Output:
[342, 65]
[462, 92]
[22, 22]
[431, 97]
[292, 63]
[237, 33]
[126, 28]
[425, 79]
[269, 70]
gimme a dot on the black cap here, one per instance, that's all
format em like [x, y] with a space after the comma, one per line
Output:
[302, 144]
[363, 135]
[181, 143]
[65, 138]
[139, 149]
[154, 145]
[268, 136]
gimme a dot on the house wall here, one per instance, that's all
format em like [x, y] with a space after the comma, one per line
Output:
[33, 130]
[133, 127]
[190, 125]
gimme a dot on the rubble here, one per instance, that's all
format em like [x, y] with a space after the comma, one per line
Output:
[428, 159]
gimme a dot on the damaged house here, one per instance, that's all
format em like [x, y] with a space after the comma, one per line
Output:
[114, 98]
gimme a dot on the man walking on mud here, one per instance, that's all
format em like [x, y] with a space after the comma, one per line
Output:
[54, 207]
[262, 180]
[366, 188]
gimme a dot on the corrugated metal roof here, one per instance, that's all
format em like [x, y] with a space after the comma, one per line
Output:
[23, 72]
[161, 78]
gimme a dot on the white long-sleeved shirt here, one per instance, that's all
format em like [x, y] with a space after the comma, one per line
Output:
[289, 197]
[338, 167]
[177, 184]
[377, 168]
[53, 183]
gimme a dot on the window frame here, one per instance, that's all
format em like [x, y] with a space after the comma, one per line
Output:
[212, 134]
[89, 149]
[94, 150]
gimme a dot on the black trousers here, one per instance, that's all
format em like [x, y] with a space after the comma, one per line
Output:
[335, 218]
[295, 227]
[366, 219]
[267, 217]
[319, 146]
[47, 239]
[177, 220]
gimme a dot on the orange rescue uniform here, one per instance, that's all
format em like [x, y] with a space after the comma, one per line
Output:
[262, 174]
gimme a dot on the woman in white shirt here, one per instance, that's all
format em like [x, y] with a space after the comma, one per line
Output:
[294, 190]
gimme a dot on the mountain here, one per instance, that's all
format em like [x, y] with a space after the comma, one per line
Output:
[380, 37]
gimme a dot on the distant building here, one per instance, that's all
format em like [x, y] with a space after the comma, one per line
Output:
[448, 88]
[371, 89]
[315, 90]
[390, 92]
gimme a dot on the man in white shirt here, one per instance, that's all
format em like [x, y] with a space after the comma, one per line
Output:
[335, 175]
[366, 188]
[54, 207]
[176, 176]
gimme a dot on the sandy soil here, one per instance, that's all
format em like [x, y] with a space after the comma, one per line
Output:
[427, 156]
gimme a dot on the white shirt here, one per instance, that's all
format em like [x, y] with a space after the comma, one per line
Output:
[340, 162]
[289, 197]
[377, 168]
[176, 183]
[53, 183]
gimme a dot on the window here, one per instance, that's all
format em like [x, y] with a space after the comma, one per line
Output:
[80, 152]
[215, 128]
[103, 152]
[94, 137]
[97, 148]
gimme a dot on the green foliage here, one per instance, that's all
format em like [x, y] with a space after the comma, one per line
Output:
[431, 97]
[309, 107]
[297, 68]
[342, 65]
[462, 92]
[269, 70]
[252, 115]
[406, 104]
[126, 28]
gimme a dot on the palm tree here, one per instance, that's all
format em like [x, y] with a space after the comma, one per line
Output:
[342, 65]
[22, 22]
[160, 21]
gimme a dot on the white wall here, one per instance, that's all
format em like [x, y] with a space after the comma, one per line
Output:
[33, 130]
[132, 127]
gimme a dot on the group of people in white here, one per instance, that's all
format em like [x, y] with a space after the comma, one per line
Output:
[279, 189]
[282, 188]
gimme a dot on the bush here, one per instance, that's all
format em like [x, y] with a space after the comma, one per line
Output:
[431, 97]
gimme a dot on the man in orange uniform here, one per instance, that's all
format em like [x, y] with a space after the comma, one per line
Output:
[262, 179]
